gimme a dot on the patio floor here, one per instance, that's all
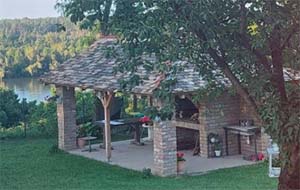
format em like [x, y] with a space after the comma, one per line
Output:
[135, 157]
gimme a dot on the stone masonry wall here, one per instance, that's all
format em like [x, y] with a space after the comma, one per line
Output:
[202, 131]
[164, 144]
[228, 110]
[262, 139]
[66, 116]
[220, 113]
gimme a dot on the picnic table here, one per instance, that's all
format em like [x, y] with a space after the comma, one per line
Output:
[135, 123]
[241, 130]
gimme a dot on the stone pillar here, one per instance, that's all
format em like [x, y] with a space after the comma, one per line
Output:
[164, 143]
[203, 131]
[66, 118]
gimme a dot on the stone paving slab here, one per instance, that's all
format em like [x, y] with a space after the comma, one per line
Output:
[135, 157]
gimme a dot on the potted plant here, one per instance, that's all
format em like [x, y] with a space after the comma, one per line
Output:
[276, 167]
[218, 149]
[180, 162]
[82, 132]
[215, 140]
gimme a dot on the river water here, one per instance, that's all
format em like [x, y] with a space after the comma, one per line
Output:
[29, 88]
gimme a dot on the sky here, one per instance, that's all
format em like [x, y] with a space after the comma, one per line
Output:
[27, 8]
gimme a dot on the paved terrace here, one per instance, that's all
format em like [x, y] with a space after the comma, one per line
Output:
[135, 157]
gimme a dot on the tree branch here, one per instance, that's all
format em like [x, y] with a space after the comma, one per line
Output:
[220, 61]
[246, 42]
[243, 18]
[260, 57]
[293, 30]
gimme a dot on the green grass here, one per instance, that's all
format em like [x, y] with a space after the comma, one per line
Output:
[27, 164]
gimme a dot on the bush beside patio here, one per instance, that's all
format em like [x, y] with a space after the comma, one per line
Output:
[27, 164]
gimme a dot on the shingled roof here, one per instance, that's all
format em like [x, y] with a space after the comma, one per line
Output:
[93, 69]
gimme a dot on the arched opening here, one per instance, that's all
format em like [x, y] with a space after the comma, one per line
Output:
[186, 110]
[187, 130]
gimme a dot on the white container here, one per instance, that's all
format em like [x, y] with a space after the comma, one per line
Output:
[276, 171]
[275, 147]
[218, 153]
[273, 171]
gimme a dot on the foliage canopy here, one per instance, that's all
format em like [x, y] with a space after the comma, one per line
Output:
[250, 41]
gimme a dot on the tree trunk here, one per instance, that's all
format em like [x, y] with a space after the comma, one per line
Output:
[106, 12]
[236, 83]
[220, 61]
[289, 178]
[277, 62]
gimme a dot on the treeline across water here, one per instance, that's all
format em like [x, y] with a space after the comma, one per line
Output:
[30, 47]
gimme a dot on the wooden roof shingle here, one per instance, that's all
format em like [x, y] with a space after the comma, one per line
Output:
[93, 69]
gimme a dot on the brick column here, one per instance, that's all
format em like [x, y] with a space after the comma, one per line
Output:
[203, 131]
[66, 118]
[164, 143]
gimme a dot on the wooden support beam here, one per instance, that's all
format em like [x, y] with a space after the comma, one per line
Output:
[107, 133]
[150, 101]
[105, 98]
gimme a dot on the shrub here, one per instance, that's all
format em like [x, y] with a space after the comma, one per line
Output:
[18, 119]
[11, 132]
[43, 119]
[54, 149]
[10, 108]
[146, 172]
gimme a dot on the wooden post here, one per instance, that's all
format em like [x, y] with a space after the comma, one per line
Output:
[105, 98]
[150, 102]
[107, 133]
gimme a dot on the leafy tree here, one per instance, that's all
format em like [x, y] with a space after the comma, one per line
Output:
[87, 12]
[23, 118]
[10, 110]
[249, 41]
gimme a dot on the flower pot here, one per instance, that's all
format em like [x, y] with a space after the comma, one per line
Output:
[81, 143]
[217, 153]
[276, 171]
[180, 166]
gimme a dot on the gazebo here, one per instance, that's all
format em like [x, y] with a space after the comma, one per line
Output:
[94, 69]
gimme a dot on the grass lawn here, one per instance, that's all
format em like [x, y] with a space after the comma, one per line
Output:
[27, 164]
